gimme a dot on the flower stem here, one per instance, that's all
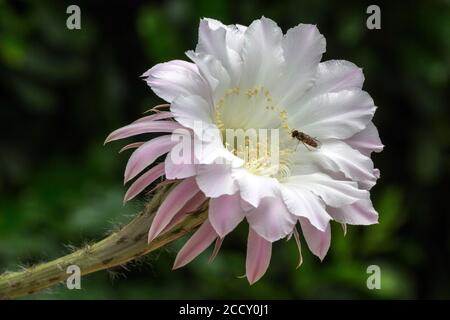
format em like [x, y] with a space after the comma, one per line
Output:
[117, 249]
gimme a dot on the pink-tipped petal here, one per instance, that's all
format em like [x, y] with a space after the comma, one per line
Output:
[376, 173]
[344, 228]
[299, 247]
[191, 206]
[367, 140]
[142, 127]
[194, 203]
[246, 206]
[259, 251]
[289, 236]
[144, 181]
[156, 116]
[201, 240]
[131, 146]
[146, 154]
[180, 168]
[318, 241]
[162, 184]
[216, 250]
[225, 213]
[271, 219]
[180, 216]
[158, 108]
[358, 213]
[175, 78]
[174, 202]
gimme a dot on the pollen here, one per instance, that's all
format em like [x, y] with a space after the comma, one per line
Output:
[229, 113]
[253, 92]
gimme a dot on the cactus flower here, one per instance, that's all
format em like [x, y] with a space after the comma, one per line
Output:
[256, 77]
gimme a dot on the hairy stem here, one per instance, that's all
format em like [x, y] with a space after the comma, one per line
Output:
[117, 249]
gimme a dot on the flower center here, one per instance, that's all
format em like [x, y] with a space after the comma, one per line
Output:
[255, 129]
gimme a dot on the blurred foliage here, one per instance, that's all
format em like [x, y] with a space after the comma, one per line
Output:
[62, 91]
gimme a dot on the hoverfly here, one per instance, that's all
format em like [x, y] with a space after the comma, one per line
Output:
[307, 140]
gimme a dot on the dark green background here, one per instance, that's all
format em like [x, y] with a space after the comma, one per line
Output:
[63, 91]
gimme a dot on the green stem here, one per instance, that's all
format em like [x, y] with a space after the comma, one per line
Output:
[117, 249]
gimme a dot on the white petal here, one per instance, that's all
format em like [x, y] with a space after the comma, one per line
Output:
[302, 47]
[253, 187]
[337, 156]
[271, 219]
[335, 76]
[358, 213]
[318, 241]
[303, 203]
[171, 79]
[189, 109]
[262, 54]
[218, 40]
[209, 148]
[216, 180]
[234, 33]
[212, 71]
[367, 140]
[234, 36]
[334, 192]
[335, 115]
